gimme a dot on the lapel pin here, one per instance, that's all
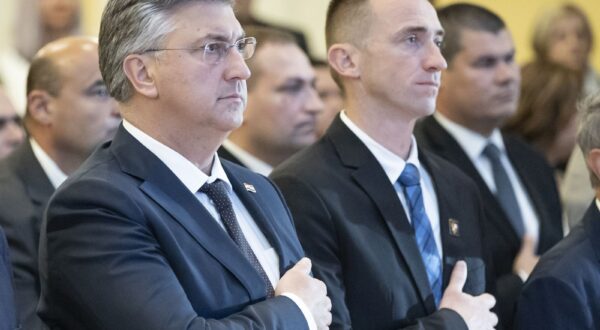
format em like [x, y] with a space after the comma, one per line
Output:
[454, 227]
[249, 187]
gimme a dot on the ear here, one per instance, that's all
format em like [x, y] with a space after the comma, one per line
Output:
[344, 59]
[593, 161]
[137, 68]
[38, 107]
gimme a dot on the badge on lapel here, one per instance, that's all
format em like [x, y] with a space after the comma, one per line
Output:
[454, 227]
[249, 187]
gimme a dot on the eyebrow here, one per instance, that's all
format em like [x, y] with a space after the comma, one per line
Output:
[97, 83]
[420, 29]
[217, 37]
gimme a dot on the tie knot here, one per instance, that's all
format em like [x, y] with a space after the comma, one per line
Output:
[491, 152]
[215, 190]
[410, 175]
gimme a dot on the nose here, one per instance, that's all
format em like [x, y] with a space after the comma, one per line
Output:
[237, 68]
[506, 72]
[434, 61]
[314, 103]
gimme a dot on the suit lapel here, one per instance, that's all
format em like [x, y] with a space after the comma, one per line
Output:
[369, 175]
[29, 169]
[164, 188]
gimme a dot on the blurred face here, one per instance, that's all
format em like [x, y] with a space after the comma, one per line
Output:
[283, 104]
[83, 113]
[400, 63]
[569, 44]
[480, 89]
[59, 14]
[11, 132]
[201, 95]
[330, 94]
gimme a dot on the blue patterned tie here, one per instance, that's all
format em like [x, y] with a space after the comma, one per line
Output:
[217, 192]
[504, 190]
[423, 233]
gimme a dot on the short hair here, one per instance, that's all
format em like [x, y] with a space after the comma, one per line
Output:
[542, 32]
[461, 16]
[133, 26]
[588, 132]
[44, 75]
[548, 102]
[265, 36]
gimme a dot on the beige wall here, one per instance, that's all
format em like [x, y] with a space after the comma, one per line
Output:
[309, 15]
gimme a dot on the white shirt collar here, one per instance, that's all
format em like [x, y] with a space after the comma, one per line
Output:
[471, 142]
[392, 164]
[248, 159]
[53, 172]
[190, 175]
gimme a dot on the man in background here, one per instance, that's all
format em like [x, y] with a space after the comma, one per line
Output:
[11, 131]
[330, 94]
[69, 113]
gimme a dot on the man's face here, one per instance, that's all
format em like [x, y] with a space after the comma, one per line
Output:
[283, 104]
[11, 132]
[59, 14]
[569, 45]
[400, 62]
[84, 114]
[331, 95]
[195, 94]
[480, 89]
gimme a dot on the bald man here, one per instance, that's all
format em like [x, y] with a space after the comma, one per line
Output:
[11, 132]
[69, 112]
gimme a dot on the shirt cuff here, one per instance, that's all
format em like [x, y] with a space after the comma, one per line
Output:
[312, 325]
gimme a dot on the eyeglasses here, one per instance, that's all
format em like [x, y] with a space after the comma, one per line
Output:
[215, 52]
[4, 121]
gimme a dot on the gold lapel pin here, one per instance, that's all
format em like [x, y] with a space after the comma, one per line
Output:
[249, 187]
[454, 227]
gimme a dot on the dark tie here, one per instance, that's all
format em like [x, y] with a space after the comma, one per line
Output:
[504, 190]
[423, 233]
[217, 192]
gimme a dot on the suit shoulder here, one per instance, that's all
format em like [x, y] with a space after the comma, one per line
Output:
[314, 161]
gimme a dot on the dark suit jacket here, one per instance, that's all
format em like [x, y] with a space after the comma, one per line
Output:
[353, 226]
[125, 245]
[502, 241]
[563, 292]
[225, 154]
[8, 313]
[24, 192]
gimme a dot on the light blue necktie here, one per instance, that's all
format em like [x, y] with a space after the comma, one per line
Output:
[409, 179]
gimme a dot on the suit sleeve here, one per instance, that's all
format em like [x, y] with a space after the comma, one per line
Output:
[105, 269]
[549, 303]
[317, 232]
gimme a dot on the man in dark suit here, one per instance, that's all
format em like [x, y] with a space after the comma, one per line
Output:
[283, 104]
[479, 91]
[154, 231]
[8, 313]
[563, 292]
[69, 113]
[386, 223]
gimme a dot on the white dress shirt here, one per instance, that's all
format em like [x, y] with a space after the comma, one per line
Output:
[193, 179]
[246, 158]
[53, 172]
[393, 165]
[473, 144]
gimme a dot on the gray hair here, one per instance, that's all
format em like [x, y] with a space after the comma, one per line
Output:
[132, 27]
[588, 132]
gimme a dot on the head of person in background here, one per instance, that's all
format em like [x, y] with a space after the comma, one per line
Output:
[330, 93]
[283, 104]
[11, 131]
[69, 109]
[546, 116]
[480, 88]
[41, 21]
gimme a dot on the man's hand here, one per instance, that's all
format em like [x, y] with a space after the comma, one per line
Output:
[526, 259]
[297, 280]
[474, 310]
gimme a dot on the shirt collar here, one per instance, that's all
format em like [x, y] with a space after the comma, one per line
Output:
[392, 164]
[188, 173]
[53, 172]
[471, 142]
[248, 159]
